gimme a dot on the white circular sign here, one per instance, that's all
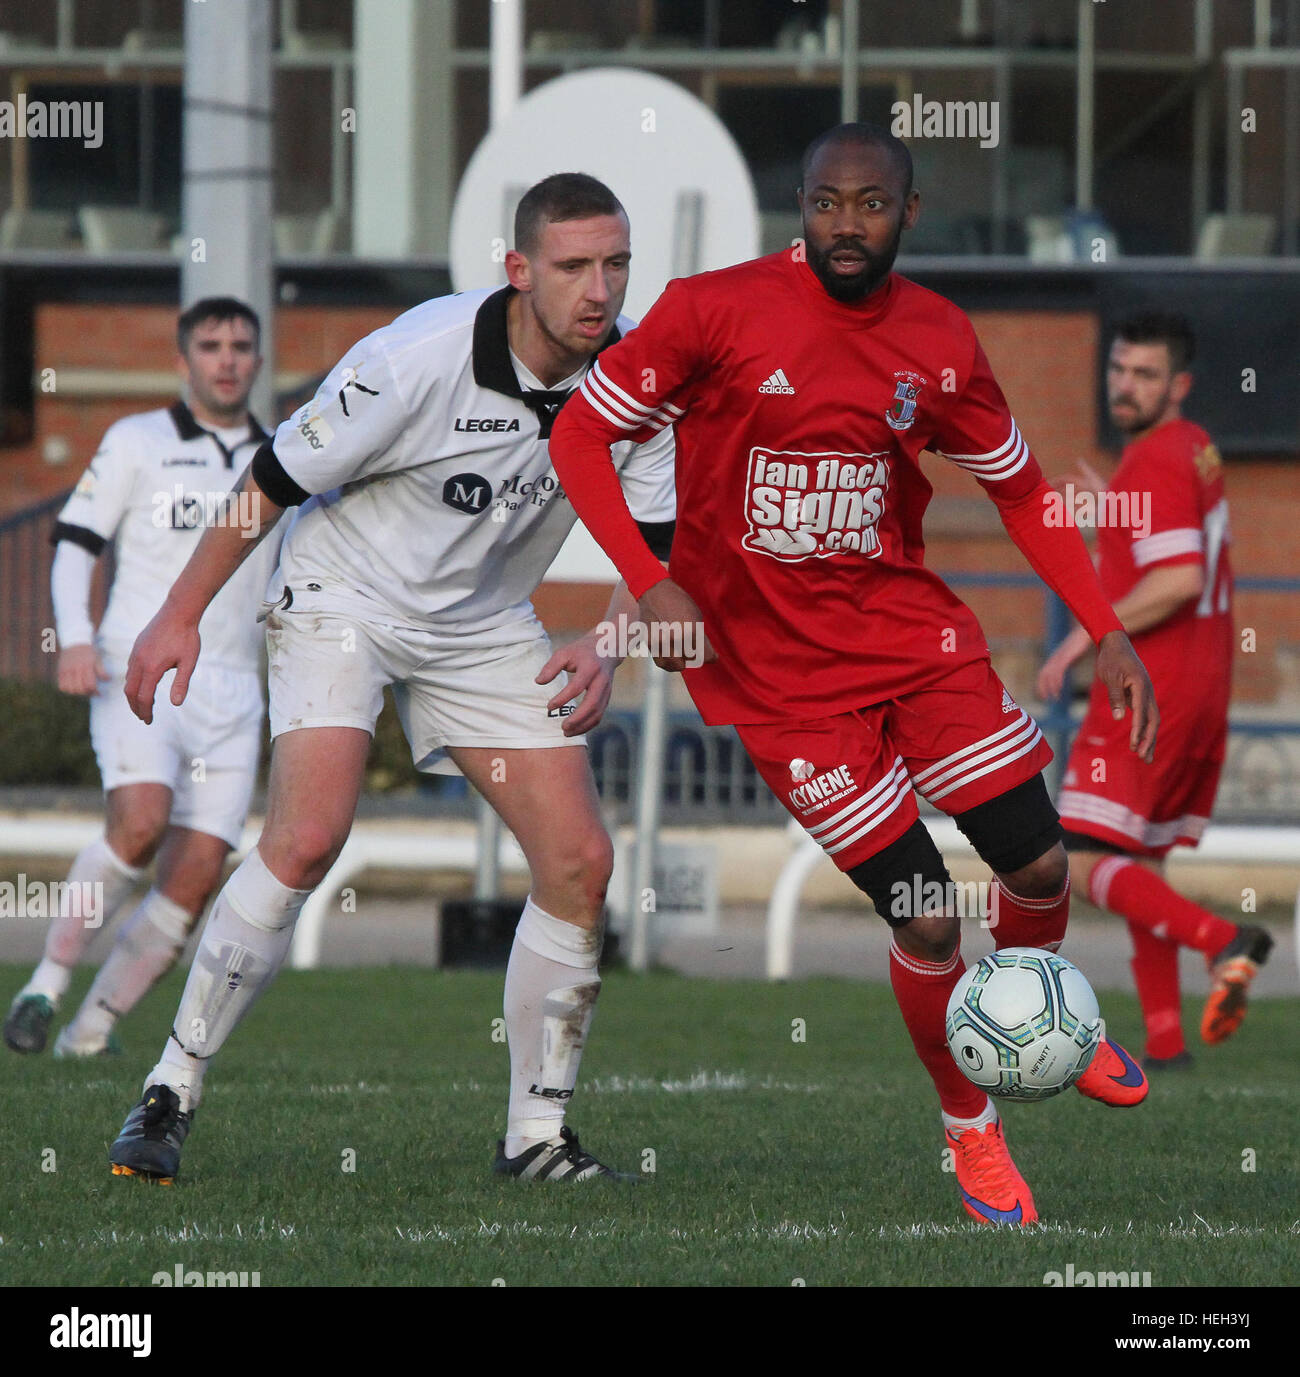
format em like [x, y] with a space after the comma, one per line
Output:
[662, 152]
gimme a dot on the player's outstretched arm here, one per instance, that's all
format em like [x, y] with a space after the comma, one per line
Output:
[171, 640]
[1128, 687]
[1058, 556]
[635, 389]
[590, 662]
[583, 465]
[980, 435]
[1156, 597]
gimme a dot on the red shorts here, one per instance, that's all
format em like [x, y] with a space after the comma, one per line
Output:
[849, 779]
[1110, 794]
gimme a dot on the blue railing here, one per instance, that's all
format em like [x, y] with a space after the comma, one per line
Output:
[26, 613]
[707, 776]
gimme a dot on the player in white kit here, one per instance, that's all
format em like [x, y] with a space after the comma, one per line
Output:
[179, 789]
[429, 513]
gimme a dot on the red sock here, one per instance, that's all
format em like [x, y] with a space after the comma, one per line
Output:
[1021, 922]
[1155, 972]
[922, 989]
[1121, 886]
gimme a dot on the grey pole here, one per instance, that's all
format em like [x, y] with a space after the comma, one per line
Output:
[505, 81]
[654, 711]
[1201, 116]
[650, 784]
[487, 862]
[1235, 85]
[507, 59]
[227, 186]
[1290, 157]
[1084, 97]
[1001, 154]
[340, 147]
[849, 75]
[403, 157]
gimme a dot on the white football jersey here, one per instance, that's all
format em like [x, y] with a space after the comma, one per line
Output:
[435, 504]
[156, 481]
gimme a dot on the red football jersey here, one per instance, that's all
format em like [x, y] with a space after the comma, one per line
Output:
[800, 423]
[1167, 506]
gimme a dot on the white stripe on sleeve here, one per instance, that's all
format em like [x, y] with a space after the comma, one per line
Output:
[1185, 540]
[996, 464]
[627, 403]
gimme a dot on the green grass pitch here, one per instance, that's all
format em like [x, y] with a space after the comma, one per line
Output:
[773, 1159]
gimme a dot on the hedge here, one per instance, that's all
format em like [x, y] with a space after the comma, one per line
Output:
[45, 739]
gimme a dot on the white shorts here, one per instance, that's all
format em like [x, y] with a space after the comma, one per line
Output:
[205, 751]
[329, 669]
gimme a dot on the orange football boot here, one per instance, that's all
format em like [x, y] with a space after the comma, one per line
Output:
[1113, 1077]
[992, 1190]
[1232, 970]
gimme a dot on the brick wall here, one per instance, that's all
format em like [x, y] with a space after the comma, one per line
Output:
[309, 340]
[1046, 362]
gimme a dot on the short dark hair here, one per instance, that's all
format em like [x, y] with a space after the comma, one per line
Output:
[563, 196]
[865, 136]
[218, 308]
[1161, 327]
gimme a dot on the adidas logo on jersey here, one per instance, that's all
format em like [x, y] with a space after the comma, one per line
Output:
[777, 383]
[1008, 702]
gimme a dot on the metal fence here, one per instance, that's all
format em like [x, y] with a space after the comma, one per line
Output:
[708, 778]
[26, 615]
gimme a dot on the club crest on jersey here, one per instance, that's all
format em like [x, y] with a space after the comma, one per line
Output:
[1208, 464]
[902, 410]
[467, 492]
[811, 506]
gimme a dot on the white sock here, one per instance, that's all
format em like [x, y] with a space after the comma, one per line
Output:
[100, 877]
[981, 1120]
[145, 949]
[246, 938]
[550, 996]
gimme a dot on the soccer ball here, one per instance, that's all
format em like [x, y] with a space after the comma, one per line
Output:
[1023, 1024]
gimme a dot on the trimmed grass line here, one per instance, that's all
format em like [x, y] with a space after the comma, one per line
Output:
[764, 1158]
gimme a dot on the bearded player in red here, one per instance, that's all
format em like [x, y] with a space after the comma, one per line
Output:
[1164, 563]
[803, 388]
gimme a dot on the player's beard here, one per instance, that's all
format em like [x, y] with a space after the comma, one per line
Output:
[875, 267]
[1135, 422]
